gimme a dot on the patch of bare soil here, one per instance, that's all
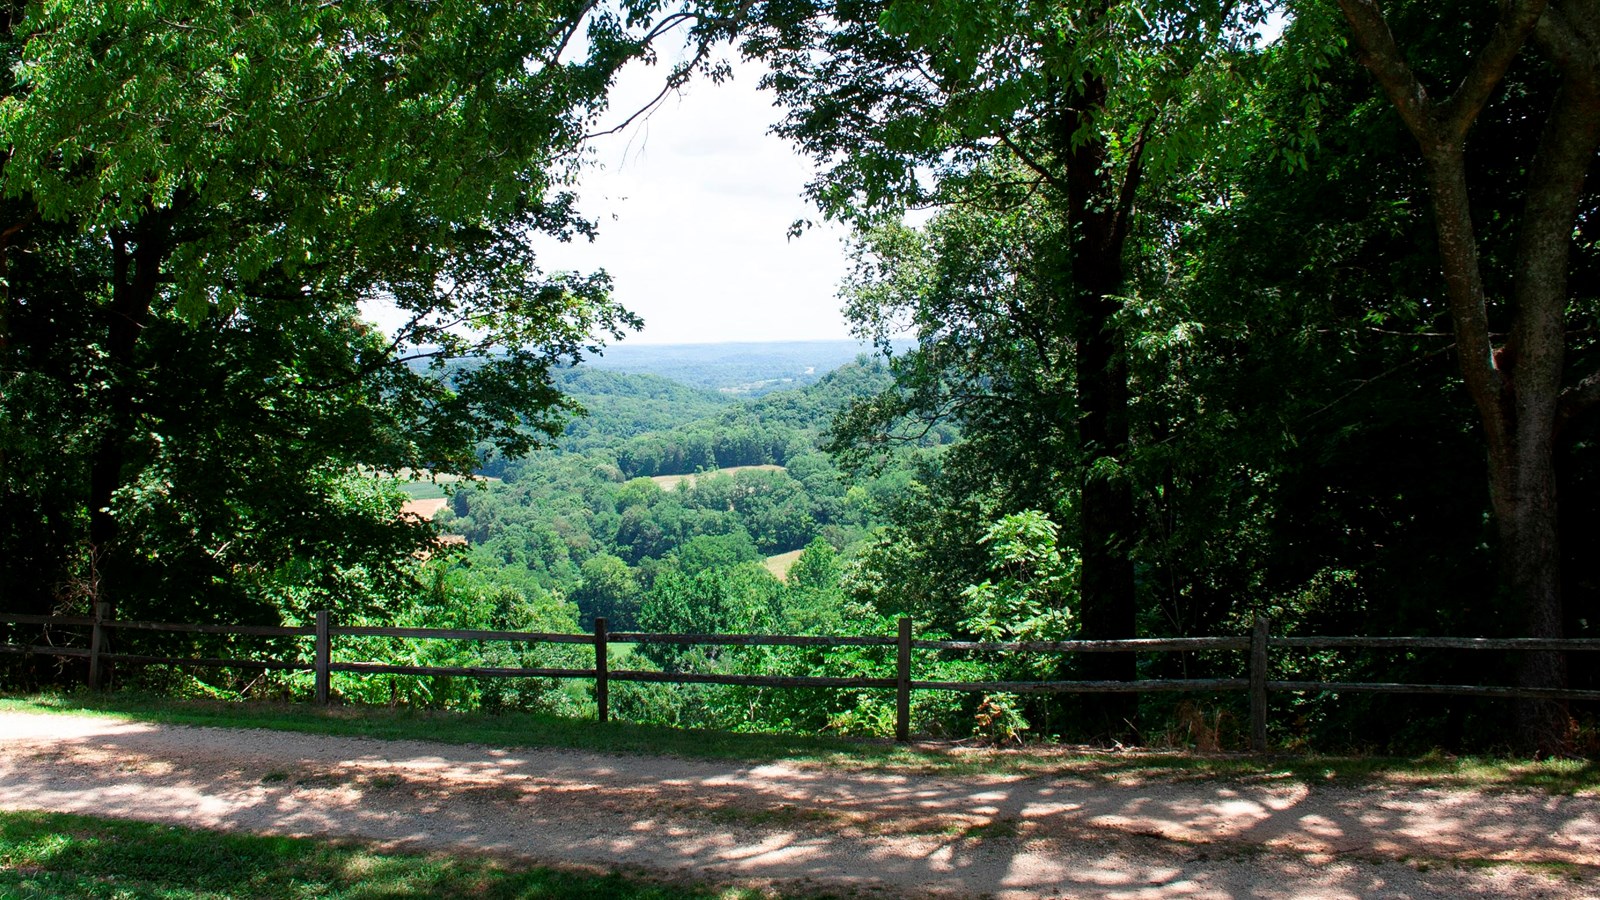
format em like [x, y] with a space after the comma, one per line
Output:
[424, 509]
[803, 827]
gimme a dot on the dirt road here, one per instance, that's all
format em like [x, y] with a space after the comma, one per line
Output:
[793, 825]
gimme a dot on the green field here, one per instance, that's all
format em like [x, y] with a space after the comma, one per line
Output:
[422, 490]
[421, 485]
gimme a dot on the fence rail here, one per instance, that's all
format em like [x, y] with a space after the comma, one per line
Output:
[1258, 644]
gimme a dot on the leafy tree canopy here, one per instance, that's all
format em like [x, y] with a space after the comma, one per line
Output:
[196, 201]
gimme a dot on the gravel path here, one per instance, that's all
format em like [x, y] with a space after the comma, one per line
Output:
[904, 835]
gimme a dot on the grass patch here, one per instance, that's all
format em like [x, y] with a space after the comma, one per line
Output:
[780, 565]
[782, 815]
[422, 490]
[55, 855]
[506, 729]
[517, 729]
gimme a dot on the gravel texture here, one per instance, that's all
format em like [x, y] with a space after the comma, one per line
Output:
[809, 827]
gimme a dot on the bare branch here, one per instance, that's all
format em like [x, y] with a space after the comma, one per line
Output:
[675, 80]
[1039, 168]
[568, 29]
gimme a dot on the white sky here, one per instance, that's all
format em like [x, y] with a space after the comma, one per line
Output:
[694, 204]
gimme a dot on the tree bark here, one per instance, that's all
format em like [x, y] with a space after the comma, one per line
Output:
[1528, 515]
[1530, 561]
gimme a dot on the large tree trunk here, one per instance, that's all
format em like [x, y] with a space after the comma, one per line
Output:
[136, 278]
[1516, 395]
[1098, 202]
[1524, 496]
[1106, 518]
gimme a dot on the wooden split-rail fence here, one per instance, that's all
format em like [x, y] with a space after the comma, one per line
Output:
[1258, 645]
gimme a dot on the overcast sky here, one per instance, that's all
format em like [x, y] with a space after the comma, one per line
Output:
[694, 206]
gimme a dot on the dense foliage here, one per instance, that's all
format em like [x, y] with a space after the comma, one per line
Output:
[196, 201]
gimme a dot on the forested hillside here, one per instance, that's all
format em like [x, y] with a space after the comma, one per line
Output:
[585, 521]
[619, 406]
[1177, 315]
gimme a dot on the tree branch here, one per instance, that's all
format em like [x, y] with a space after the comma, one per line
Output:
[675, 80]
[1565, 43]
[1039, 168]
[1443, 148]
[1130, 185]
[1511, 33]
[1378, 51]
[1441, 126]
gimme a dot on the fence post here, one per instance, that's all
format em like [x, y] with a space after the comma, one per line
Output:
[902, 683]
[97, 639]
[1258, 683]
[324, 654]
[602, 682]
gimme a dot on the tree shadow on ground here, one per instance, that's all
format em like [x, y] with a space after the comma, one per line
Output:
[1000, 835]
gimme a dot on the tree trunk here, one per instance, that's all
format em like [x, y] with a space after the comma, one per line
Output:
[1524, 497]
[135, 281]
[1518, 387]
[1517, 395]
[1515, 389]
[1096, 214]
[1105, 510]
